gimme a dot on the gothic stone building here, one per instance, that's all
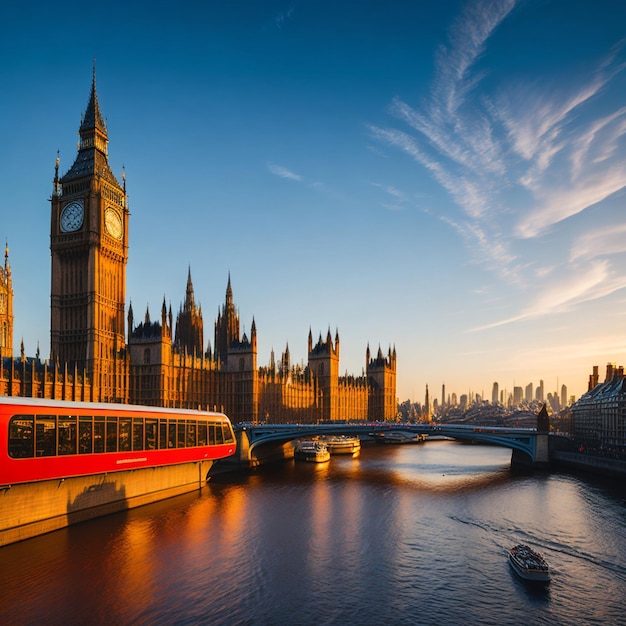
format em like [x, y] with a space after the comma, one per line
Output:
[162, 362]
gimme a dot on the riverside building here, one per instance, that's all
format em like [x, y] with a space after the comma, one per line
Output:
[599, 416]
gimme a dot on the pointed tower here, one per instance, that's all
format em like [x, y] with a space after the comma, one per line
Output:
[6, 307]
[324, 364]
[285, 362]
[189, 325]
[226, 327]
[381, 380]
[167, 331]
[89, 249]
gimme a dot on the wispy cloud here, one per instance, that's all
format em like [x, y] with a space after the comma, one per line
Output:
[596, 281]
[283, 172]
[555, 204]
[468, 38]
[460, 151]
[399, 199]
[599, 243]
[568, 154]
[519, 156]
[280, 19]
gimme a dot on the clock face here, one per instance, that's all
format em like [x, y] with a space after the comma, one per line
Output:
[72, 216]
[113, 223]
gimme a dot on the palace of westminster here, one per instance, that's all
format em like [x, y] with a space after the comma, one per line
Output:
[159, 363]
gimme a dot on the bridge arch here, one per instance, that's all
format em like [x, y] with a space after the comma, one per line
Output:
[530, 448]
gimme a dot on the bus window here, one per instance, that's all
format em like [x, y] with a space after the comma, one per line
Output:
[151, 434]
[138, 433]
[85, 435]
[21, 437]
[211, 430]
[228, 434]
[191, 433]
[181, 434]
[67, 434]
[46, 435]
[124, 434]
[111, 443]
[162, 434]
[219, 434]
[171, 434]
[98, 434]
[202, 434]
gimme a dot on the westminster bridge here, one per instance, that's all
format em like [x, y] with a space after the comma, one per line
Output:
[258, 444]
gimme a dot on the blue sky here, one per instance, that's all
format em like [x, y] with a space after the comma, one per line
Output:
[447, 178]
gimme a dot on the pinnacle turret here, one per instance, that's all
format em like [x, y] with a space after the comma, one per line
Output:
[189, 297]
[93, 120]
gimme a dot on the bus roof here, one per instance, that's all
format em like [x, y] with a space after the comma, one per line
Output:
[41, 403]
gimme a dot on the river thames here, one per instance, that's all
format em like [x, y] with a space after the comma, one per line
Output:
[412, 534]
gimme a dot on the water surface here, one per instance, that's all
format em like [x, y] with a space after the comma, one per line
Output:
[412, 534]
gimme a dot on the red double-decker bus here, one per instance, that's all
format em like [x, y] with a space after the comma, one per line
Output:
[48, 439]
[66, 462]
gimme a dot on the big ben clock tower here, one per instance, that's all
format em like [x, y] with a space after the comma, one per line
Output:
[89, 249]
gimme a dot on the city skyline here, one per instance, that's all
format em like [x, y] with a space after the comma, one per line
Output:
[446, 180]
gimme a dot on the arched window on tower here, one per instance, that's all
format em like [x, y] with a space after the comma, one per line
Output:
[146, 356]
[242, 364]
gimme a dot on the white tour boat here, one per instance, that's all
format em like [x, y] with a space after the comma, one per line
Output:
[528, 564]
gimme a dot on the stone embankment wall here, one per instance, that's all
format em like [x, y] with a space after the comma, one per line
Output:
[585, 462]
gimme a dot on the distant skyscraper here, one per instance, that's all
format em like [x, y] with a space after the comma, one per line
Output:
[528, 395]
[539, 392]
[494, 393]
[443, 394]
[563, 396]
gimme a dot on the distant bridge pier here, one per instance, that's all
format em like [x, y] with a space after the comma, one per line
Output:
[521, 461]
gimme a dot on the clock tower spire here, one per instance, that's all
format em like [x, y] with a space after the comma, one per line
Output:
[89, 249]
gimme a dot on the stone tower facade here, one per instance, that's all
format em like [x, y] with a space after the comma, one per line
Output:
[89, 249]
[324, 363]
[381, 377]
